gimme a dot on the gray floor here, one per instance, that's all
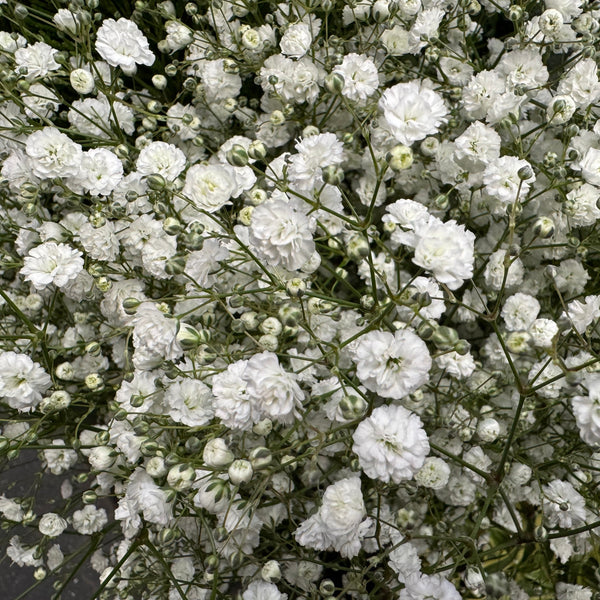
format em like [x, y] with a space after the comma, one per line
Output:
[18, 478]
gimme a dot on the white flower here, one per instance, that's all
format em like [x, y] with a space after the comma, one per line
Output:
[281, 234]
[262, 590]
[340, 522]
[501, 269]
[428, 587]
[520, 311]
[583, 313]
[11, 510]
[218, 83]
[89, 519]
[22, 381]
[409, 215]
[296, 40]
[391, 444]
[445, 249]
[143, 496]
[40, 102]
[209, 187]
[502, 180]
[412, 111]
[567, 591]
[178, 35]
[190, 402]
[581, 205]
[51, 263]
[154, 337]
[52, 525]
[100, 243]
[233, 405]
[38, 59]
[314, 153]
[563, 505]
[82, 81]
[361, 78]
[434, 473]
[457, 365]
[21, 555]
[581, 82]
[61, 459]
[543, 332]
[122, 44]
[392, 365]
[477, 147]
[216, 453]
[275, 391]
[587, 410]
[162, 159]
[101, 172]
[590, 166]
[53, 154]
[396, 40]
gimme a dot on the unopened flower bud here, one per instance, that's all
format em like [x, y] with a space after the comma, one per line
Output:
[334, 82]
[333, 175]
[237, 156]
[155, 467]
[82, 81]
[260, 457]
[445, 338]
[400, 158]
[217, 454]
[488, 430]
[181, 477]
[525, 173]
[518, 341]
[257, 150]
[271, 572]
[240, 471]
[296, 287]
[544, 227]
[263, 427]
[352, 407]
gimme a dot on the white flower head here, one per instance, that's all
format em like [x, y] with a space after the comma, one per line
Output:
[447, 250]
[361, 78]
[162, 159]
[392, 365]
[412, 111]
[391, 444]
[209, 187]
[122, 44]
[53, 154]
[281, 234]
[52, 263]
[22, 381]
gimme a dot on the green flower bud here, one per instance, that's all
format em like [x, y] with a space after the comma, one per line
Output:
[237, 156]
[334, 82]
[445, 338]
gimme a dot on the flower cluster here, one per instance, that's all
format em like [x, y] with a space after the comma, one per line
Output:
[301, 300]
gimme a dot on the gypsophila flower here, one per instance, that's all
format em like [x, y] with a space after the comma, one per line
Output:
[53, 154]
[282, 234]
[22, 381]
[360, 77]
[392, 365]
[161, 159]
[391, 444]
[51, 263]
[412, 111]
[122, 44]
[340, 522]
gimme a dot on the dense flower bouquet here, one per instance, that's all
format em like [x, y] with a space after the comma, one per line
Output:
[300, 299]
